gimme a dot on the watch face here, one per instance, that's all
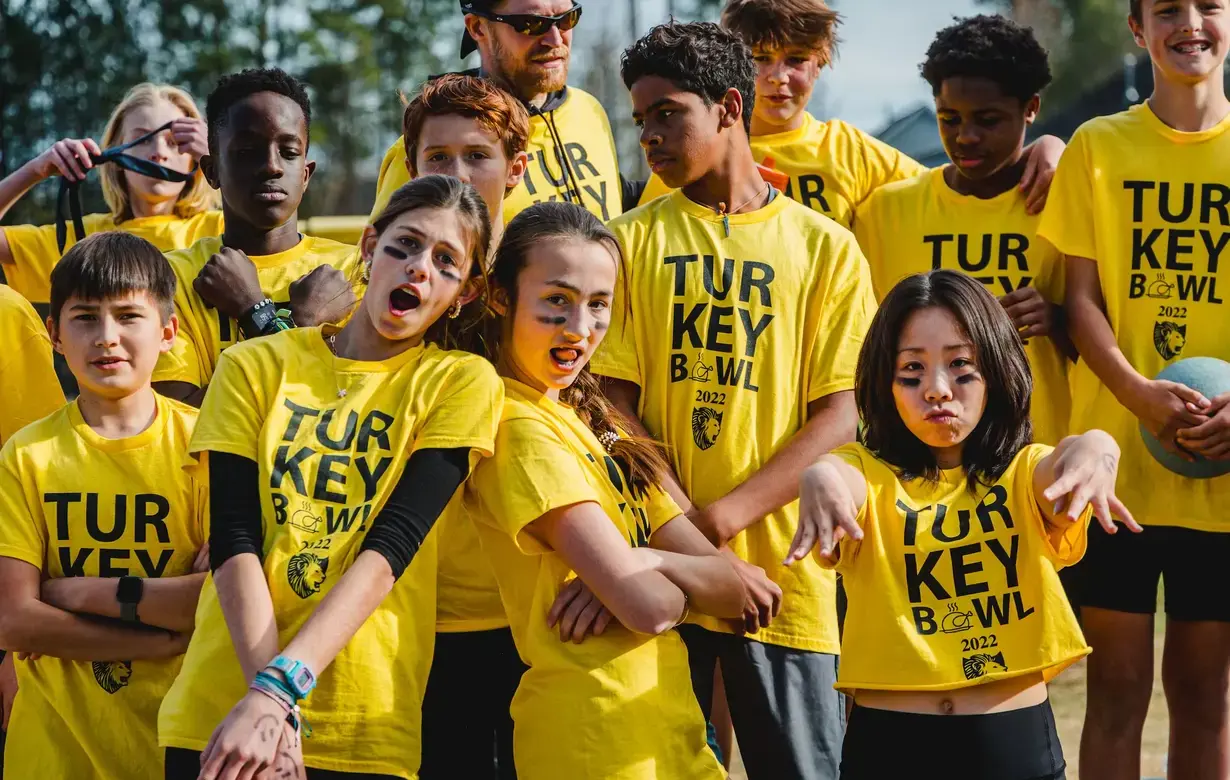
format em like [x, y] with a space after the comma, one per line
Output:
[302, 680]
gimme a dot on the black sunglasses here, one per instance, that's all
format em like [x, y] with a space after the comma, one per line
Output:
[533, 24]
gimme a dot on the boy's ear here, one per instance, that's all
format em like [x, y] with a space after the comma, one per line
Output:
[1032, 108]
[53, 331]
[308, 170]
[516, 171]
[1138, 32]
[732, 108]
[210, 171]
[170, 329]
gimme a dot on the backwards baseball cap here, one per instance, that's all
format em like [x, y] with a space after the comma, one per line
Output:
[468, 7]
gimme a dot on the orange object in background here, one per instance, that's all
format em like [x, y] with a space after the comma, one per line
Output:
[773, 176]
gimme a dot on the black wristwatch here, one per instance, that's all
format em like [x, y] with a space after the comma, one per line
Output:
[128, 593]
[258, 320]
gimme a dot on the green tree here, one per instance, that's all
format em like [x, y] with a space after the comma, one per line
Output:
[67, 63]
[1086, 40]
[62, 60]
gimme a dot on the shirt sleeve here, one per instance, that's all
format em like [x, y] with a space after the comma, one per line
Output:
[617, 357]
[1067, 221]
[200, 483]
[532, 473]
[31, 389]
[35, 253]
[660, 508]
[882, 164]
[393, 174]
[1050, 280]
[867, 232]
[23, 534]
[840, 314]
[425, 487]
[847, 548]
[182, 363]
[1063, 546]
[236, 496]
[467, 410]
[232, 414]
[654, 189]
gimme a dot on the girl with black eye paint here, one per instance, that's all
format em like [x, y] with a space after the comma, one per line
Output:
[324, 570]
[595, 564]
[949, 527]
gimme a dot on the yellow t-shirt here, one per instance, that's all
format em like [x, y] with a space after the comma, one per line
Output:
[27, 374]
[467, 594]
[617, 706]
[728, 353]
[949, 588]
[35, 252]
[75, 504]
[1149, 205]
[582, 125]
[203, 333]
[833, 166]
[922, 224]
[327, 466]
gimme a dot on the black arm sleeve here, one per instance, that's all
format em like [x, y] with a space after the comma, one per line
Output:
[631, 191]
[431, 478]
[234, 508]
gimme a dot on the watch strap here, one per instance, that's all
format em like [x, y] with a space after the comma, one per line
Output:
[257, 320]
[299, 678]
[128, 593]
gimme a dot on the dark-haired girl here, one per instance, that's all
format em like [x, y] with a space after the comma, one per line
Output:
[596, 564]
[332, 454]
[948, 526]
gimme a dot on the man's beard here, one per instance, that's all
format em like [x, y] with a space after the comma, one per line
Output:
[524, 79]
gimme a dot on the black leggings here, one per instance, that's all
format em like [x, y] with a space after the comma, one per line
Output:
[186, 765]
[1017, 745]
[467, 731]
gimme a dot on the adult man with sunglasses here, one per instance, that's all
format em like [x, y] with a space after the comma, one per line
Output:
[525, 46]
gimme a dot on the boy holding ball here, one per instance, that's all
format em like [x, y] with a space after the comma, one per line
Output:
[1139, 206]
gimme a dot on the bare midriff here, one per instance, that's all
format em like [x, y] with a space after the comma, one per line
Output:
[1000, 696]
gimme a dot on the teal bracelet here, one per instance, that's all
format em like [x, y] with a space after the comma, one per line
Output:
[274, 684]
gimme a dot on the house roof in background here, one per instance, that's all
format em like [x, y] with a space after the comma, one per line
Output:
[914, 132]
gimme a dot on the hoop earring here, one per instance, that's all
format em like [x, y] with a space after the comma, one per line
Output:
[455, 311]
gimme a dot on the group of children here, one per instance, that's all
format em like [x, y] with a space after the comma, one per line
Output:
[506, 491]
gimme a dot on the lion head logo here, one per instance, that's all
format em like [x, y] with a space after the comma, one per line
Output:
[306, 573]
[1169, 338]
[706, 425]
[112, 675]
[983, 664]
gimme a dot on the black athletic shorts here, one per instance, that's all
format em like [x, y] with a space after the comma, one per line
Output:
[467, 730]
[1120, 572]
[1017, 745]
